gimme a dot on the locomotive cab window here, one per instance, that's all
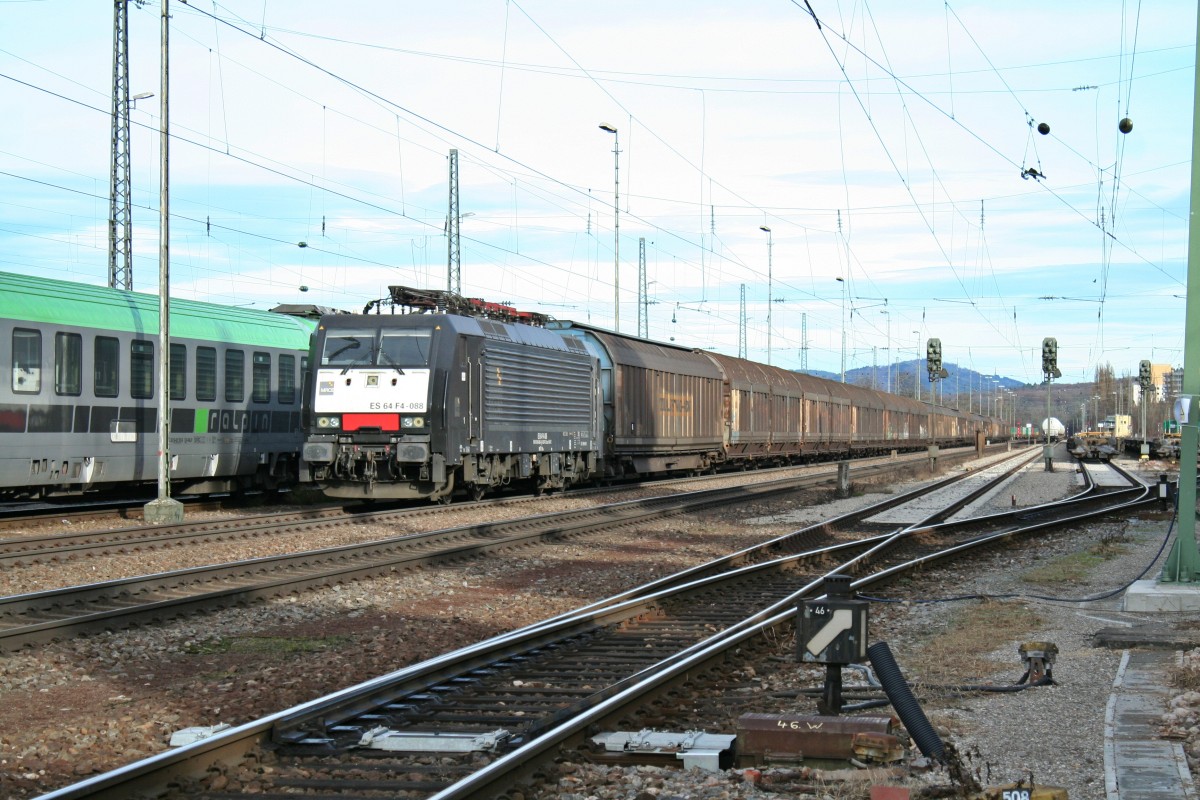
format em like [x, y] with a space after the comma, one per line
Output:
[26, 361]
[107, 366]
[68, 364]
[141, 369]
[347, 347]
[260, 378]
[178, 372]
[405, 348]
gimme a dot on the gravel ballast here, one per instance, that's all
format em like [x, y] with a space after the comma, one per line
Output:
[76, 708]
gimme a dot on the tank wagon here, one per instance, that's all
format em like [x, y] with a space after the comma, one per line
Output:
[79, 406]
[458, 395]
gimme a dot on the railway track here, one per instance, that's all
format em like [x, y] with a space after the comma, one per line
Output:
[44, 616]
[57, 547]
[61, 547]
[504, 703]
[22, 515]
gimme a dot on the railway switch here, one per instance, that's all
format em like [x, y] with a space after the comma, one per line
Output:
[707, 751]
[833, 632]
[383, 738]
[1039, 660]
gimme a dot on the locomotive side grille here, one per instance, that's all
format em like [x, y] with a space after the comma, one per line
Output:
[532, 386]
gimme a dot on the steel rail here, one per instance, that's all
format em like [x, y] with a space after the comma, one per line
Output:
[116, 603]
[62, 546]
[487, 781]
[351, 701]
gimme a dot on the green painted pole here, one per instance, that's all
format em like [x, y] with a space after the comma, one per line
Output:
[1182, 563]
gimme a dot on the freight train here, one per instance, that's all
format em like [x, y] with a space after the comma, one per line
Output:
[454, 396]
[78, 410]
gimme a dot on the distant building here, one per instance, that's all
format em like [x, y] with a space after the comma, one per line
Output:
[1117, 425]
[1162, 377]
[1174, 383]
[1168, 382]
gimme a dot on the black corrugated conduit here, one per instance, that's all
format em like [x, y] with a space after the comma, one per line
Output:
[906, 705]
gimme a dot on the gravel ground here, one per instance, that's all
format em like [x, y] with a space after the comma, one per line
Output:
[76, 708]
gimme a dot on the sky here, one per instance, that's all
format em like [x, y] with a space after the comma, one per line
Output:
[893, 146]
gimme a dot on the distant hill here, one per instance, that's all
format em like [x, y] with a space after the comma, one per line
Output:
[962, 379]
[1076, 405]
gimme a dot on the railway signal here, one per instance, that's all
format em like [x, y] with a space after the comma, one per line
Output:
[1050, 358]
[833, 632]
[1145, 376]
[1051, 371]
[1146, 381]
[933, 360]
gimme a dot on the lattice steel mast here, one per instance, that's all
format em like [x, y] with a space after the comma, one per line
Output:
[120, 221]
[453, 232]
[742, 322]
[643, 298]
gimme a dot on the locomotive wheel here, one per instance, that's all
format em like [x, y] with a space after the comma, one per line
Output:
[478, 491]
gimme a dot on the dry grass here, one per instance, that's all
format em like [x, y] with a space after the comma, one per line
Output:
[1186, 676]
[963, 652]
[1075, 567]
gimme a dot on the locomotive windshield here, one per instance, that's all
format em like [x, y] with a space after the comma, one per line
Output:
[344, 348]
[350, 347]
[405, 348]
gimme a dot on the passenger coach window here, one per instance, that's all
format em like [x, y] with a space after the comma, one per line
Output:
[68, 363]
[260, 378]
[287, 379]
[206, 374]
[26, 361]
[108, 366]
[141, 370]
[178, 370]
[408, 348]
[235, 376]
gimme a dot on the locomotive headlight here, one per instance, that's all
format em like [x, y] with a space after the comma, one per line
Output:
[413, 422]
[327, 422]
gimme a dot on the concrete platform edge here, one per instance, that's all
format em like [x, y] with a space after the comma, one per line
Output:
[1168, 770]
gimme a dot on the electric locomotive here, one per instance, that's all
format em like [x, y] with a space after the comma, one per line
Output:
[426, 404]
[78, 408]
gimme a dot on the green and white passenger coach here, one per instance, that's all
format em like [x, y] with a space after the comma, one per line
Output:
[78, 408]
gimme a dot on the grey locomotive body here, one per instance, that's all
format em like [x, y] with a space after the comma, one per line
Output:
[422, 405]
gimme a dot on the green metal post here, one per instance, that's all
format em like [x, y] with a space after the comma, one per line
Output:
[1181, 565]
